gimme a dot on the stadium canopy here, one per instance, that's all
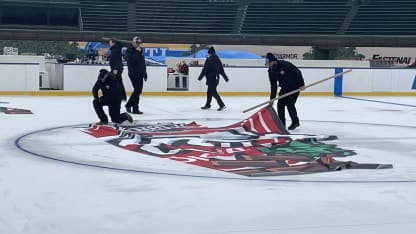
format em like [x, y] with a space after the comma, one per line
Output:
[96, 45]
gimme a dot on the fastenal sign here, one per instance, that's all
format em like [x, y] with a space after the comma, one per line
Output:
[394, 59]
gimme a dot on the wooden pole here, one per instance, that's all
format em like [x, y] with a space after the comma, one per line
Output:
[120, 40]
[295, 91]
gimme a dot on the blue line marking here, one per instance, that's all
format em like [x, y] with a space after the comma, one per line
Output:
[369, 100]
[414, 83]
[338, 82]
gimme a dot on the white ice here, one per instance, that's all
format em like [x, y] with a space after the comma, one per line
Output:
[41, 196]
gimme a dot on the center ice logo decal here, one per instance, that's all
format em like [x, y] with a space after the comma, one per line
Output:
[256, 146]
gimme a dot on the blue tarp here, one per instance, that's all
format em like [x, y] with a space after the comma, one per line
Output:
[95, 45]
[159, 59]
[237, 54]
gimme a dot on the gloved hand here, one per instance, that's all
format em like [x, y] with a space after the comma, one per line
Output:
[226, 78]
[200, 78]
[145, 77]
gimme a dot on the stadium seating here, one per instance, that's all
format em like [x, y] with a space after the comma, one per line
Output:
[295, 17]
[196, 16]
[41, 14]
[259, 18]
[104, 15]
[385, 17]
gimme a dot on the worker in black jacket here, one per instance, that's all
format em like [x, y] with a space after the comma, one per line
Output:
[111, 97]
[212, 69]
[289, 78]
[136, 65]
[116, 64]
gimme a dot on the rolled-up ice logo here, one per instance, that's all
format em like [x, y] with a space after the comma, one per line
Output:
[256, 146]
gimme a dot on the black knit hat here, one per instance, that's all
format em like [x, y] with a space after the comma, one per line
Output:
[270, 57]
[103, 72]
[211, 50]
[137, 40]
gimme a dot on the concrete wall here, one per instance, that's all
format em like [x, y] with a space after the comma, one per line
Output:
[83, 77]
[243, 80]
[173, 61]
[19, 77]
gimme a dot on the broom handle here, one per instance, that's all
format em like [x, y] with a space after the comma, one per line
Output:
[120, 40]
[295, 91]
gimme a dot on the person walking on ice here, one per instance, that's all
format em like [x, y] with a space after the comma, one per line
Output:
[212, 69]
[136, 65]
[116, 63]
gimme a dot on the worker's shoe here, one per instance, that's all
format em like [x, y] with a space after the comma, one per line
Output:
[129, 118]
[293, 126]
[221, 108]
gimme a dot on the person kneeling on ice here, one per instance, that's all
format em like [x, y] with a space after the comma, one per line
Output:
[111, 97]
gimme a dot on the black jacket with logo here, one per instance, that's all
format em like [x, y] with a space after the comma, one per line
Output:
[288, 75]
[136, 62]
[110, 88]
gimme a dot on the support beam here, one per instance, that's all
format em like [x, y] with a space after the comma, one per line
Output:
[225, 39]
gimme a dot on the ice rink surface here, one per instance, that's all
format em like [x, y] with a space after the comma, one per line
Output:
[39, 195]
